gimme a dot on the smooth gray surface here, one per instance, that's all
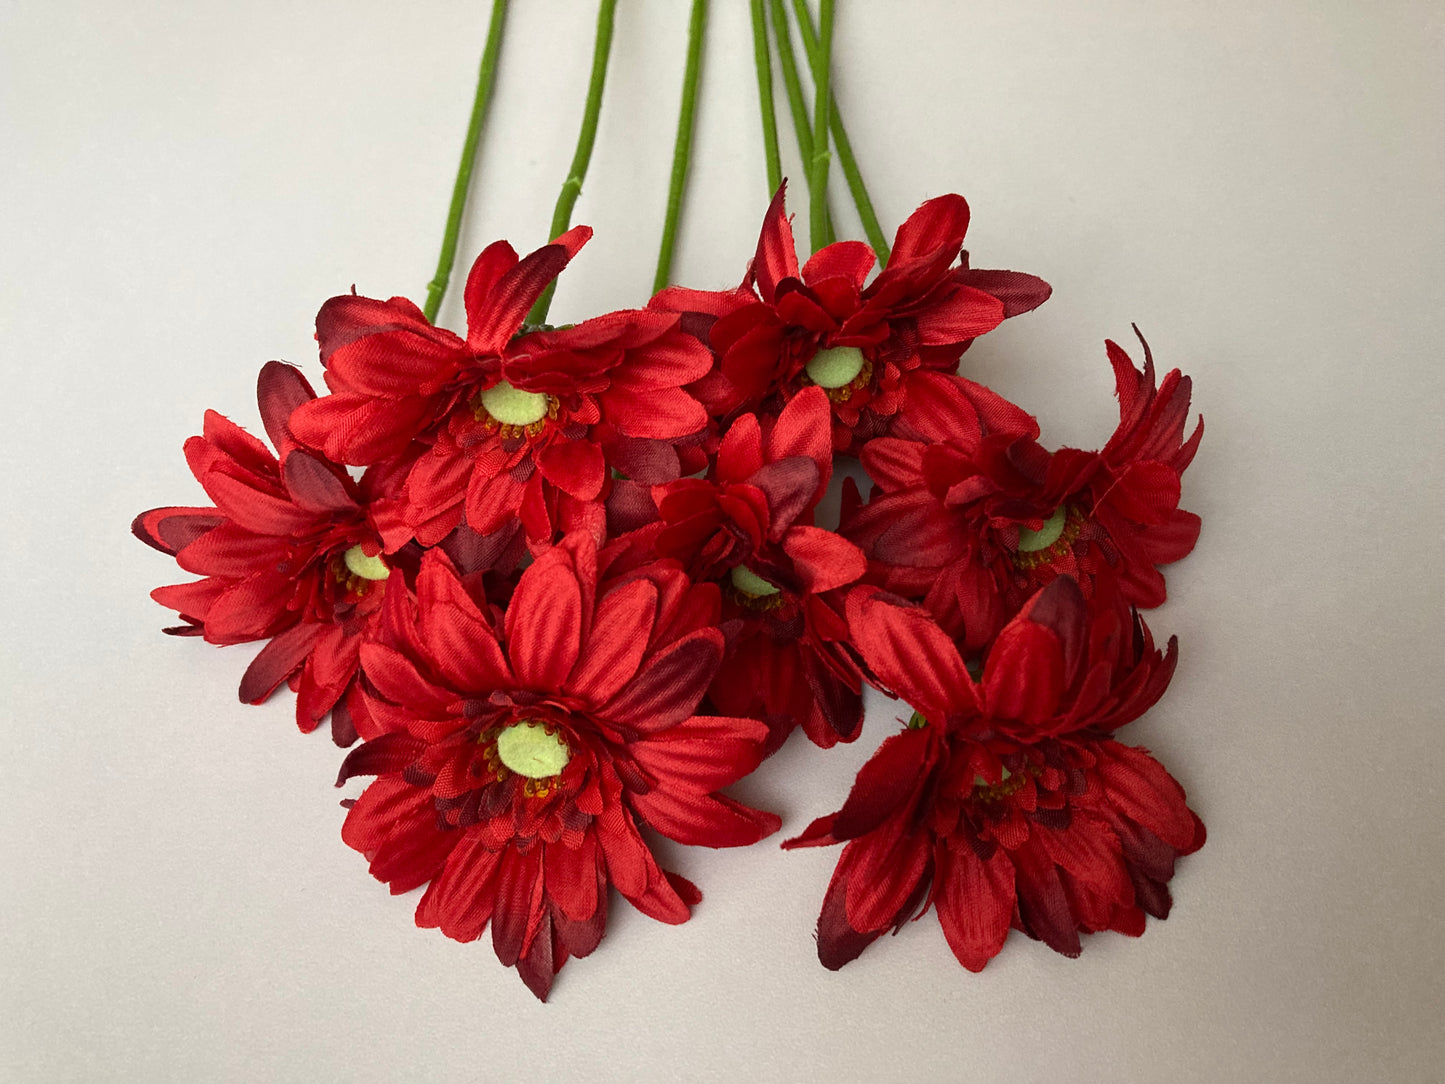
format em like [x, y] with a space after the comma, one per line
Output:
[1257, 184]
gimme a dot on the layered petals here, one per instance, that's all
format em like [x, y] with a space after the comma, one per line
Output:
[529, 769]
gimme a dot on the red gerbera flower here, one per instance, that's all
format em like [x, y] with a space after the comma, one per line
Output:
[749, 526]
[975, 522]
[1005, 802]
[290, 553]
[526, 749]
[787, 328]
[514, 424]
[572, 402]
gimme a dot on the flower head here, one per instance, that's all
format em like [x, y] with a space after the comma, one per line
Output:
[1006, 801]
[979, 518]
[527, 748]
[825, 325]
[510, 421]
[290, 553]
[748, 526]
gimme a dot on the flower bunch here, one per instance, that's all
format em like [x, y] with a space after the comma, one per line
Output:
[568, 583]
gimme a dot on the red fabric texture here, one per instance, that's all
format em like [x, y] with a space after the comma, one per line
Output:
[944, 526]
[614, 666]
[917, 315]
[1006, 803]
[272, 554]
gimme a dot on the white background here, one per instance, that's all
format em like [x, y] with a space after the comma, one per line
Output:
[1258, 185]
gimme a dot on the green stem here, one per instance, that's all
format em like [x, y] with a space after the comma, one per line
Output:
[764, 61]
[437, 288]
[822, 97]
[682, 149]
[572, 186]
[846, 159]
[794, 86]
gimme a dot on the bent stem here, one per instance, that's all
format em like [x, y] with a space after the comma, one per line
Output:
[794, 87]
[876, 238]
[437, 288]
[682, 149]
[572, 186]
[764, 61]
[822, 98]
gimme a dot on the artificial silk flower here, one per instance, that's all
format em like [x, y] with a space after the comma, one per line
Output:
[526, 749]
[787, 327]
[975, 520]
[748, 526]
[1005, 801]
[290, 553]
[509, 424]
[394, 377]
[572, 403]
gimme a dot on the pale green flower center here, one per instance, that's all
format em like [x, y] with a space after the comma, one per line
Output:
[530, 750]
[513, 406]
[1045, 536]
[835, 366]
[751, 584]
[368, 568]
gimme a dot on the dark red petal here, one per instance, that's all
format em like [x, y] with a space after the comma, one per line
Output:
[459, 640]
[280, 389]
[942, 222]
[315, 485]
[790, 486]
[519, 909]
[975, 901]
[704, 820]
[384, 755]
[172, 529]
[777, 256]
[838, 942]
[886, 784]
[574, 466]
[497, 316]
[539, 965]
[822, 559]
[495, 261]
[702, 754]
[616, 643]
[669, 685]
[355, 428]
[277, 661]
[544, 623]
[910, 653]
[851, 260]
[1043, 904]
[660, 413]
[461, 899]
[571, 876]
[1019, 292]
